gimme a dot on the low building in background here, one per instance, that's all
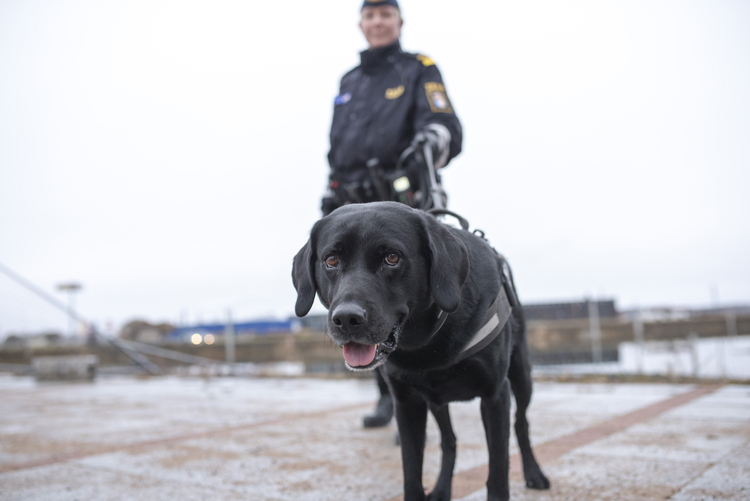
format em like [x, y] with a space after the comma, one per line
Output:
[38, 340]
[568, 311]
[145, 332]
[253, 328]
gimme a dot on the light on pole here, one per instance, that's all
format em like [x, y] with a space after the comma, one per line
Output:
[71, 288]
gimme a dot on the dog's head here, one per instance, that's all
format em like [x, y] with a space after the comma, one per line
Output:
[372, 265]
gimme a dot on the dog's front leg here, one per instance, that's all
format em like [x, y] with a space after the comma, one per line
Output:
[496, 419]
[411, 416]
[442, 491]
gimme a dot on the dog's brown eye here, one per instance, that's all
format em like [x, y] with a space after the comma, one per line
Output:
[332, 261]
[392, 259]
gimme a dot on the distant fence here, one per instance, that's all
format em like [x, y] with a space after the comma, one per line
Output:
[570, 357]
[567, 311]
[570, 336]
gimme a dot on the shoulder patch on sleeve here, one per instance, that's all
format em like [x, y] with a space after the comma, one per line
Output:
[426, 61]
[343, 98]
[437, 97]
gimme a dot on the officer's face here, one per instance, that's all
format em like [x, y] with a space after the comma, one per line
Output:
[381, 26]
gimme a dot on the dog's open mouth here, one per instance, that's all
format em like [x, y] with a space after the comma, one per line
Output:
[366, 357]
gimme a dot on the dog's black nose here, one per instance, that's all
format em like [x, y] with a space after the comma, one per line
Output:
[348, 317]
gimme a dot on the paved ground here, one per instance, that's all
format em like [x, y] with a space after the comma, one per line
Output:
[301, 439]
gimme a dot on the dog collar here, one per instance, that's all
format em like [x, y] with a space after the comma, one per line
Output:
[442, 316]
[494, 320]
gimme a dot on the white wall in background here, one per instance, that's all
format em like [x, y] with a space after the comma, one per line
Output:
[709, 357]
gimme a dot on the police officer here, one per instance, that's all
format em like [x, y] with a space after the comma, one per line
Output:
[391, 101]
[391, 104]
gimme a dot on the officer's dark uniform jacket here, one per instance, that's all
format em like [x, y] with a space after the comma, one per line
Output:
[383, 102]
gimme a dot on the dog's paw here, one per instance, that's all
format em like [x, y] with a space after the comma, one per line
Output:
[535, 479]
[439, 496]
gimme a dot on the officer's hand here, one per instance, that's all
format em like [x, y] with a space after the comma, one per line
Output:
[426, 137]
[438, 139]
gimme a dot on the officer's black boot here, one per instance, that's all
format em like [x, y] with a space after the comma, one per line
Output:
[384, 411]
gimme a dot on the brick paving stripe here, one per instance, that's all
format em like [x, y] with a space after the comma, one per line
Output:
[159, 441]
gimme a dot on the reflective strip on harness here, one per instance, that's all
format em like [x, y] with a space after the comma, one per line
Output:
[495, 319]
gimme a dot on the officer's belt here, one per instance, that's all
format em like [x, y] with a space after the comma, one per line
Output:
[343, 175]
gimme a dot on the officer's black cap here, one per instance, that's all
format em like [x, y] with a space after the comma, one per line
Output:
[376, 3]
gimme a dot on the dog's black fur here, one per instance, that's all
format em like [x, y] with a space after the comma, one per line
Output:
[349, 262]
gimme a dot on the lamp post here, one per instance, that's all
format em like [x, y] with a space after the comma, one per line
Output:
[71, 288]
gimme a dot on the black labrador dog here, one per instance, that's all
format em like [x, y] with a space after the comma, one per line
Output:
[436, 307]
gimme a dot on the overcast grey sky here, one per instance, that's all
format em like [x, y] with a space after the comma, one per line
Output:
[170, 155]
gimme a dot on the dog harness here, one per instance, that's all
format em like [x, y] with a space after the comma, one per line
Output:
[499, 311]
[494, 321]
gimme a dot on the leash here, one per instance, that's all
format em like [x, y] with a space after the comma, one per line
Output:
[439, 211]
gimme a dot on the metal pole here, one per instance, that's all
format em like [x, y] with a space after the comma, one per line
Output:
[71, 288]
[694, 359]
[638, 334]
[595, 331]
[731, 320]
[714, 295]
[229, 338]
[721, 355]
[71, 307]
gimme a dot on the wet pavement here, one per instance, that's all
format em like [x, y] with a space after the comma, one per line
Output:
[302, 439]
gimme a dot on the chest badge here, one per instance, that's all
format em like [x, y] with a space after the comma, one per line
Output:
[394, 93]
[343, 98]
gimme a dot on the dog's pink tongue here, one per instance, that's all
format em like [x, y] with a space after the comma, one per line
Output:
[357, 355]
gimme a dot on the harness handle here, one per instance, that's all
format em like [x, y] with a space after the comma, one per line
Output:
[439, 212]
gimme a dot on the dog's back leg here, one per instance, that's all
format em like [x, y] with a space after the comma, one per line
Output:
[496, 419]
[519, 375]
[442, 489]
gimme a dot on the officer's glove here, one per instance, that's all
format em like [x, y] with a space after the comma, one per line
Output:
[438, 138]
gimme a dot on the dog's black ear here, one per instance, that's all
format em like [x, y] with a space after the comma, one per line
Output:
[303, 277]
[449, 265]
